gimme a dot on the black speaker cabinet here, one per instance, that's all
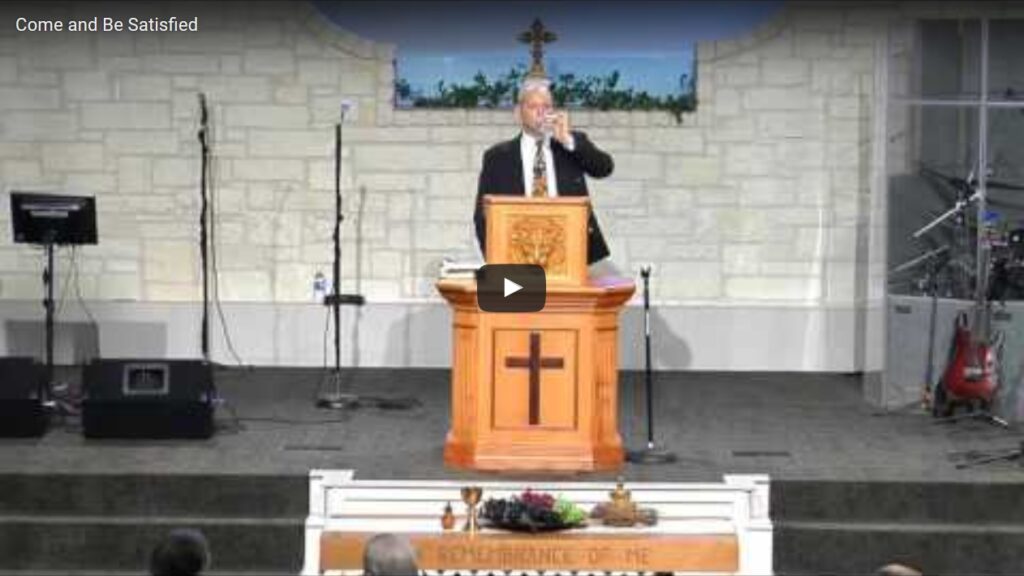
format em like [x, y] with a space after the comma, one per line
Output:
[21, 403]
[142, 398]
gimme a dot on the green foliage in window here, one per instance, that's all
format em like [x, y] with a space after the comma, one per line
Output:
[568, 91]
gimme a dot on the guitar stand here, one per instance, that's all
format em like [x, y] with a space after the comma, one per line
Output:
[983, 415]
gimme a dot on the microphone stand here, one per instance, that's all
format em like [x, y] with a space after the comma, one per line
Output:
[336, 400]
[203, 210]
[46, 388]
[651, 454]
[205, 239]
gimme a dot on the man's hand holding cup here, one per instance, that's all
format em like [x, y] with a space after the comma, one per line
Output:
[556, 124]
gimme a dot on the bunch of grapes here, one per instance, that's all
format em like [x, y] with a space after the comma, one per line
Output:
[538, 500]
[530, 509]
[511, 511]
[569, 513]
[540, 508]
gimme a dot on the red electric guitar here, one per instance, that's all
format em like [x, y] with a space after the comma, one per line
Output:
[972, 374]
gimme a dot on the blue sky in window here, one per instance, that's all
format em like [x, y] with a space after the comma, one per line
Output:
[650, 43]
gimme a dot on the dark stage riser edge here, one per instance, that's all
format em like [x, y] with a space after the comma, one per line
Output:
[255, 523]
[851, 490]
[111, 522]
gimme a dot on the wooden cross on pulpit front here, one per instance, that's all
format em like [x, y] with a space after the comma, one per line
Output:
[534, 363]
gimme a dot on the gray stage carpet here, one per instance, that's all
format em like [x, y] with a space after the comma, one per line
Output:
[792, 426]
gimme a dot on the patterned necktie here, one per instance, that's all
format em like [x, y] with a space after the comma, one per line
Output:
[540, 172]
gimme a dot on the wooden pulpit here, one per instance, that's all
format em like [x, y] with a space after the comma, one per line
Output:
[537, 391]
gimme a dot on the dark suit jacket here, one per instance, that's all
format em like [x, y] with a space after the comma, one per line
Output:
[502, 173]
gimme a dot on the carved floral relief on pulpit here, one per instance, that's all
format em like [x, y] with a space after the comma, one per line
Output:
[539, 240]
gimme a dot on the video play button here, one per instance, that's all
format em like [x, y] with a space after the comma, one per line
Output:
[510, 288]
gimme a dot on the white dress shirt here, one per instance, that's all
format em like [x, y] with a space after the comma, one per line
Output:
[528, 148]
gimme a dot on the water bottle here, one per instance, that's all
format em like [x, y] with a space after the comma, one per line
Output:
[319, 287]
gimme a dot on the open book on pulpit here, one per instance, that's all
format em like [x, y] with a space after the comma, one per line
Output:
[537, 390]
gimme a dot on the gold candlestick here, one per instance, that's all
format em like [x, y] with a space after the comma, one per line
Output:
[471, 496]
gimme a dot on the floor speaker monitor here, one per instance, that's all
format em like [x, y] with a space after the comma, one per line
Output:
[147, 398]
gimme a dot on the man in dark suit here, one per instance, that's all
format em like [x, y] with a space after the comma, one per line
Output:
[546, 159]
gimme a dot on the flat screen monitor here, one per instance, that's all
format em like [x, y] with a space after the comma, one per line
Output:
[53, 219]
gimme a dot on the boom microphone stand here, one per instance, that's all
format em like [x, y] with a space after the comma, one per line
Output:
[651, 454]
[335, 399]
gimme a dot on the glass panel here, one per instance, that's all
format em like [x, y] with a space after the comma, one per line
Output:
[1005, 194]
[1006, 60]
[930, 151]
[935, 59]
[1006, 145]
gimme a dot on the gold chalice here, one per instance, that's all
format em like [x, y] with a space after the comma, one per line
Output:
[471, 496]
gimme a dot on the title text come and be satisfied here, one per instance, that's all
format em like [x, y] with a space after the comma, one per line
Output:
[109, 24]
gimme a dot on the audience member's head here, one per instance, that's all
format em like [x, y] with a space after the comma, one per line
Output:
[897, 570]
[389, 555]
[182, 552]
